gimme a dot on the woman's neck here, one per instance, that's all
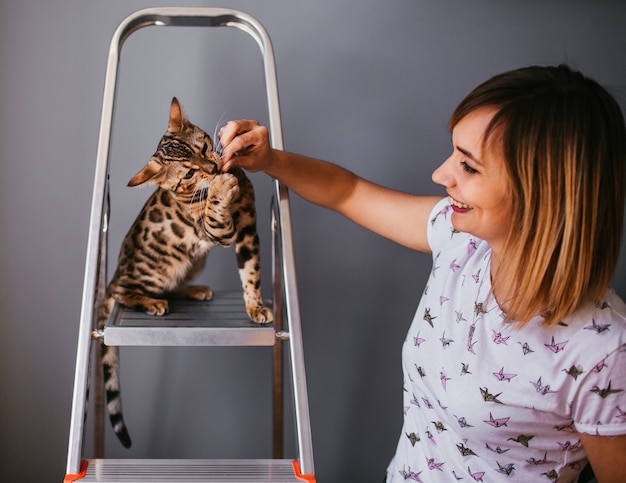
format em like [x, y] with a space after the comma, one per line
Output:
[501, 287]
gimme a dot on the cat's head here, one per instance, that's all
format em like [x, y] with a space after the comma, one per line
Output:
[184, 159]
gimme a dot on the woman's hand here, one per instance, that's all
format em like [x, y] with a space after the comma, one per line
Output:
[245, 144]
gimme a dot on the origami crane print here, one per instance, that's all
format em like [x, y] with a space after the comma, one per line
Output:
[598, 328]
[556, 348]
[497, 422]
[502, 376]
[604, 393]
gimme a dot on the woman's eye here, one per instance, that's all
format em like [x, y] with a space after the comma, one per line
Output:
[189, 174]
[467, 168]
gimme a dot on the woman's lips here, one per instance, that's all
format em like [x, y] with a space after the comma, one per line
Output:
[457, 206]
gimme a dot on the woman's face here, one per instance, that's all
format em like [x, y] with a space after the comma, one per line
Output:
[476, 181]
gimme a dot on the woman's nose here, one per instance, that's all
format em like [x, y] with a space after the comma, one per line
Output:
[443, 175]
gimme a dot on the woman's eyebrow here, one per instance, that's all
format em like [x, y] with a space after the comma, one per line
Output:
[468, 154]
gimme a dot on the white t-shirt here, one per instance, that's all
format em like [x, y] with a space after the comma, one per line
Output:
[486, 402]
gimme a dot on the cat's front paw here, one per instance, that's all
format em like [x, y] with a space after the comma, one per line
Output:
[225, 189]
[156, 307]
[260, 315]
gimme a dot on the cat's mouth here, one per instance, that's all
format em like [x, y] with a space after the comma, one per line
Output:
[211, 165]
[215, 160]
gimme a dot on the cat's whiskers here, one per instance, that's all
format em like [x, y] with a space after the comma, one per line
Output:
[196, 192]
[201, 190]
[220, 123]
[204, 193]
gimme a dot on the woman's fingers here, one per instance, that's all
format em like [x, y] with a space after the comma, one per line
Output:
[232, 129]
[244, 143]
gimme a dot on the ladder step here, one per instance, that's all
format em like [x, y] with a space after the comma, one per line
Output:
[180, 471]
[222, 321]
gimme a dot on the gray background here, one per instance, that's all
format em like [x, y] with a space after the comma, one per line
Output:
[367, 84]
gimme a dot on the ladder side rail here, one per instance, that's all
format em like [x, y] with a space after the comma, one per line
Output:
[81, 377]
[292, 308]
[98, 376]
[278, 359]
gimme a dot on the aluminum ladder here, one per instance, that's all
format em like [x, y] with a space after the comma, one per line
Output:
[222, 322]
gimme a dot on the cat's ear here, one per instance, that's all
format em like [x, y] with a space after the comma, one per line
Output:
[145, 175]
[176, 117]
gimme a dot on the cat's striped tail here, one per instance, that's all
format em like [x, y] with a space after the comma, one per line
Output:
[111, 370]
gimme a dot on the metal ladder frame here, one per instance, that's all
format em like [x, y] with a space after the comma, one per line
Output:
[285, 289]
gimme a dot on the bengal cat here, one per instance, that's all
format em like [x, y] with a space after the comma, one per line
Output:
[194, 208]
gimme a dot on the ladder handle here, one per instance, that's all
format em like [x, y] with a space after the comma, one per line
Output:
[212, 17]
[191, 17]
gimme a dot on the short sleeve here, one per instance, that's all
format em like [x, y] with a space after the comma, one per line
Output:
[600, 408]
[440, 227]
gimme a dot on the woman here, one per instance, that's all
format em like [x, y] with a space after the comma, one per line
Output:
[515, 363]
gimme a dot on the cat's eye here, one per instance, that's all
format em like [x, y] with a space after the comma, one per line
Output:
[204, 149]
[190, 174]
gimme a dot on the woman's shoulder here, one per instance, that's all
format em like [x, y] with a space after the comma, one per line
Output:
[598, 327]
[605, 315]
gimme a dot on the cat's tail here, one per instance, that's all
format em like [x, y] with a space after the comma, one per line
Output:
[111, 370]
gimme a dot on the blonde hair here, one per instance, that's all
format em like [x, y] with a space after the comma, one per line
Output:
[563, 140]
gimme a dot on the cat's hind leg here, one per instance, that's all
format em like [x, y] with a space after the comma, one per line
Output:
[194, 292]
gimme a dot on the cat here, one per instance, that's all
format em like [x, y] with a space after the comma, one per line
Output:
[194, 208]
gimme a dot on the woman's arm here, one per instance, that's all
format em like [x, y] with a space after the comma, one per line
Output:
[395, 215]
[606, 455]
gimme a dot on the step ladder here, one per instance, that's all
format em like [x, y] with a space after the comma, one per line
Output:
[221, 322]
